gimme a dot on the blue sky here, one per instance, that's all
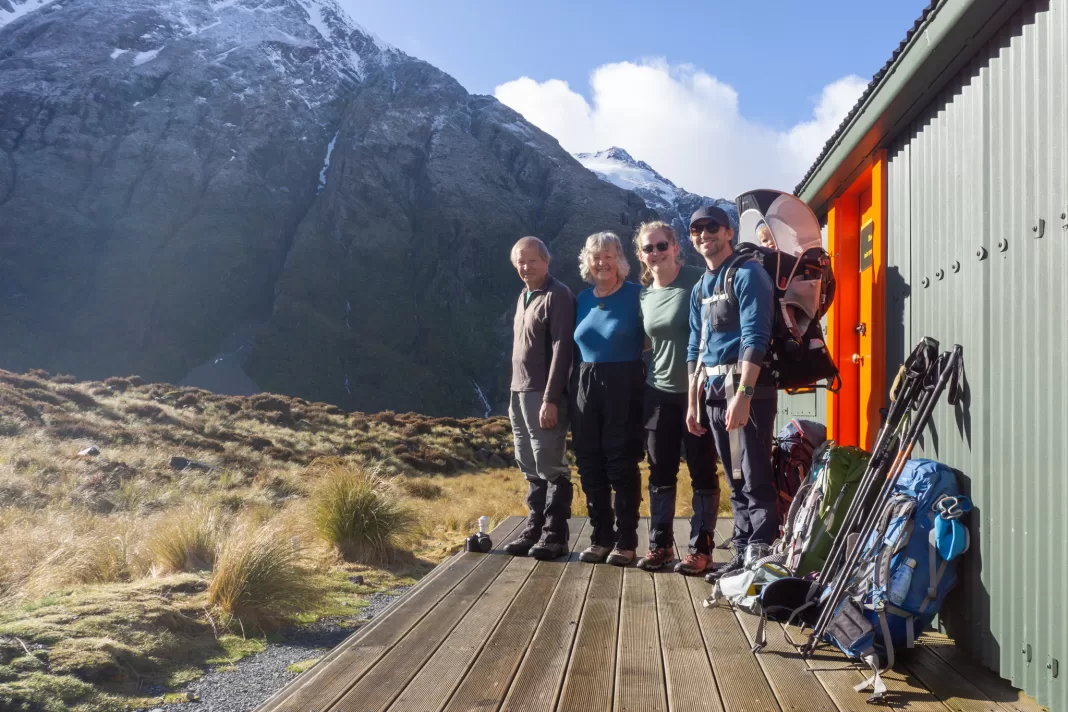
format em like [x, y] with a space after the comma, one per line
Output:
[762, 83]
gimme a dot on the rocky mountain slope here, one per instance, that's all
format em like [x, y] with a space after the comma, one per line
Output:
[261, 194]
[672, 203]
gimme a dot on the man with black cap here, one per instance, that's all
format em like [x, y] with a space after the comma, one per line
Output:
[731, 316]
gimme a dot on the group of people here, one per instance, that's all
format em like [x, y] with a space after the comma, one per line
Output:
[644, 370]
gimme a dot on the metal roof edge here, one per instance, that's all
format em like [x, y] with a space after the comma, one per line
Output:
[946, 36]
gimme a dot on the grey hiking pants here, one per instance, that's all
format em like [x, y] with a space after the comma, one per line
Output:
[753, 498]
[540, 453]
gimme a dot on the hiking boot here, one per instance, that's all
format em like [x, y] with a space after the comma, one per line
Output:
[547, 549]
[594, 554]
[656, 558]
[621, 557]
[718, 570]
[521, 545]
[694, 564]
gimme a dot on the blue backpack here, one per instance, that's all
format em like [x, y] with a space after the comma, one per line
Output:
[906, 568]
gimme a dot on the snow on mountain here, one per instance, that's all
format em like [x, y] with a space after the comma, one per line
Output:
[672, 203]
[11, 10]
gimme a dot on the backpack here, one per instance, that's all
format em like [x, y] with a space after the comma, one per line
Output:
[804, 285]
[901, 578]
[791, 458]
[820, 505]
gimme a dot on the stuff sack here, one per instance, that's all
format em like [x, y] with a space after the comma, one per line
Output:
[791, 459]
[901, 578]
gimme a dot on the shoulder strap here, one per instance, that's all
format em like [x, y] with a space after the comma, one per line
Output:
[729, 274]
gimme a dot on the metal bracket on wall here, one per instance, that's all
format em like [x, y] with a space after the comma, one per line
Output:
[1026, 652]
[1053, 666]
[1039, 229]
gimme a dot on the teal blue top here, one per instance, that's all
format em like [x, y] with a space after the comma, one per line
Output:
[609, 329]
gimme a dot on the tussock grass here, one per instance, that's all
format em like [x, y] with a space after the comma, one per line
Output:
[261, 579]
[186, 539]
[360, 514]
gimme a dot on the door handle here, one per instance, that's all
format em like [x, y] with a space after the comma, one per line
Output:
[858, 359]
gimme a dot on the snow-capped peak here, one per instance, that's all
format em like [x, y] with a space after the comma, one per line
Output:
[618, 167]
[673, 204]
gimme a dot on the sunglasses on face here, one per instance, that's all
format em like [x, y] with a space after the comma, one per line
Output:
[661, 246]
[710, 228]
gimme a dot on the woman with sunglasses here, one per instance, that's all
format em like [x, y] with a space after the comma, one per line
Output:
[665, 308]
[607, 384]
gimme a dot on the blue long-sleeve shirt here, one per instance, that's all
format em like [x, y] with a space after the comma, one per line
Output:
[756, 304]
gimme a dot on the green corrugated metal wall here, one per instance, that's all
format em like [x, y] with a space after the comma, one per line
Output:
[985, 168]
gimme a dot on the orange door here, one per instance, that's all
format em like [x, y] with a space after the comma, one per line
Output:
[868, 397]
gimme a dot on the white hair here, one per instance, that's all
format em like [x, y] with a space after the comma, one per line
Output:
[595, 243]
[524, 242]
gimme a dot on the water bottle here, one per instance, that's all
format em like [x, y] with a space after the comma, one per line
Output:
[900, 582]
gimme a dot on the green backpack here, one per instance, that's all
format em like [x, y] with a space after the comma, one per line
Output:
[820, 505]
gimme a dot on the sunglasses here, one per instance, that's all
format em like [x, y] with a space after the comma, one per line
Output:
[661, 246]
[710, 228]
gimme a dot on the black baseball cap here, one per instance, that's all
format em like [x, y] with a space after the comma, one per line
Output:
[712, 214]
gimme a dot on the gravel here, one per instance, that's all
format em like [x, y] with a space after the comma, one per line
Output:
[255, 678]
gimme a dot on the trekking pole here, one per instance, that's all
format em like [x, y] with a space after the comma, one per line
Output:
[950, 374]
[908, 385]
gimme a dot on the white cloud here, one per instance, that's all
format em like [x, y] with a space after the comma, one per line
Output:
[683, 122]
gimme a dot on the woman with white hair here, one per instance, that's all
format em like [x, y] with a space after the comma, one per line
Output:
[607, 391]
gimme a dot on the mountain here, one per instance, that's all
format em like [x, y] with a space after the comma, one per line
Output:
[260, 195]
[672, 203]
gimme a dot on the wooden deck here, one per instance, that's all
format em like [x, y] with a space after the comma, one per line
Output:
[493, 632]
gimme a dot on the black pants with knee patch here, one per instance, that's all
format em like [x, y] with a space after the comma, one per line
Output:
[606, 432]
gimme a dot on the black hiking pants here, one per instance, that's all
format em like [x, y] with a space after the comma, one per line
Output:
[606, 433]
[665, 437]
[753, 497]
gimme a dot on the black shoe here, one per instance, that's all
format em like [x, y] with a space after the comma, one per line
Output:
[522, 545]
[545, 550]
[735, 564]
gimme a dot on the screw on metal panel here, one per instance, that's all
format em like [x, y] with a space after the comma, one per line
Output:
[1056, 667]
[1064, 215]
[981, 253]
[1003, 245]
[940, 273]
[1027, 652]
[955, 266]
[926, 282]
[1039, 229]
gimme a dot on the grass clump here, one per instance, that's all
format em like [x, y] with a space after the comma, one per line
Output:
[186, 539]
[359, 513]
[261, 579]
[302, 665]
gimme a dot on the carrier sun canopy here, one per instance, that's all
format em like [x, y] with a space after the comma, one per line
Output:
[792, 224]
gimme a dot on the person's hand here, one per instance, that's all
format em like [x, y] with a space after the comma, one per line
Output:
[738, 412]
[693, 423]
[547, 416]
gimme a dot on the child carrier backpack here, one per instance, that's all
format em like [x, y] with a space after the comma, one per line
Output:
[820, 506]
[791, 459]
[905, 570]
[801, 272]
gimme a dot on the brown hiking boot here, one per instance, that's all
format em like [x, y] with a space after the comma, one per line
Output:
[594, 554]
[621, 557]
[656, 558]
[694, 564]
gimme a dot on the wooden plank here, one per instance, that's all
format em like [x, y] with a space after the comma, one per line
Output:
[488, 679]
[953, 689]
[993, 686]
[536, 686]
[688, 676]
[462, 622]
[437, 599]
[838, 676]
[588, 685]
[412, 607]
[739, 676]
[791, 679]
[639, 683]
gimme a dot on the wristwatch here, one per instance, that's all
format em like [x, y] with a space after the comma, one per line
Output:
[748, 391]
